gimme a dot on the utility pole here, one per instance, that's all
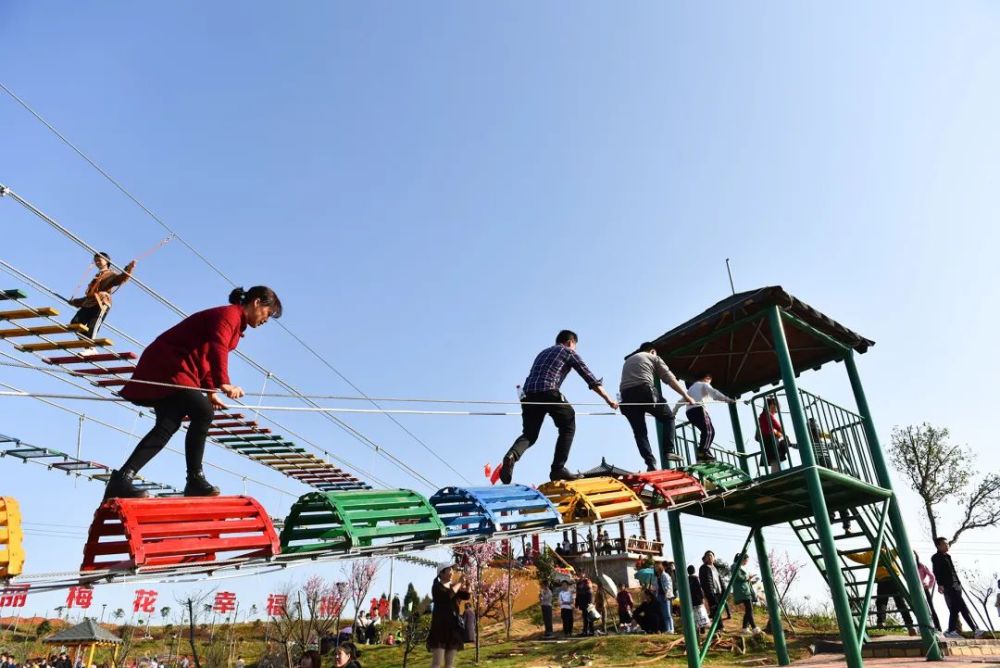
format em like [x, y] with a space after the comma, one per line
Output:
[732, 286]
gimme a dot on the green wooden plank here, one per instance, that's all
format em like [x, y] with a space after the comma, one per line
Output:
[12, 294]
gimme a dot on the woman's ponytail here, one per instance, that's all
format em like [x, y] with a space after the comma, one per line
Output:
[265, 294]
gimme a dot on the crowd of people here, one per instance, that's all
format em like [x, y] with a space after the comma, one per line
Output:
[651, 609]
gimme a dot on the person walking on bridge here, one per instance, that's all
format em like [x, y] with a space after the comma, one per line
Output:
[183, 369]
[639, 396]
[542, 397]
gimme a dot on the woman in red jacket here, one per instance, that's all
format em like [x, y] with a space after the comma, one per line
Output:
[193, 354]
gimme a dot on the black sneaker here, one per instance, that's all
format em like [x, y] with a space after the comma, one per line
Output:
[121, 486]
[650, 468]
[507, 469]
[705, 456]
[674, 457]
[563, 474]
[197, 485]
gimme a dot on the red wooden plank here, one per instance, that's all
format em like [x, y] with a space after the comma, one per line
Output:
[222, 416]
[238, 432]
[88, 359]
[111, 382]
[105, 370]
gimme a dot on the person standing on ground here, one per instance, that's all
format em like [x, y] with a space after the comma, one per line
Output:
[584, 598]
[697, 599]
[950, 586]
[663, 588]
[545, 601]
[542, 397]
[625, 605]
[446, 637]
[640, 396]
[566, 608]
[711, 584]
[95, 304]
[743, 593]
[194, 354]
[701, 390]
[929, 583]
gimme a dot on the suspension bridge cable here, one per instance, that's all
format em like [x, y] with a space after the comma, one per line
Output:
[121, 430]
[310, 409]
[121, 188]
[261, 369]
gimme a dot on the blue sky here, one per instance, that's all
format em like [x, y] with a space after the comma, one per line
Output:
[435, 190]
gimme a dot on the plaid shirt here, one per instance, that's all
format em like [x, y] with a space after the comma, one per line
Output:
[551, 368]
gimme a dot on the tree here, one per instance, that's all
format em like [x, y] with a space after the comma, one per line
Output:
[785, 571]
[118, 614]
[488, 593]
[415, 632]
[411, 600]
[545, 567]
[360, 576]
[43, 629]
[194, 604]
[983, 586]
[165, 613]
[940, 472]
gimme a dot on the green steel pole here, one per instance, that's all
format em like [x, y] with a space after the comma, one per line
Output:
[734, 417]
[838, 590]
[771, 592]
[691, 647]
[912, 575]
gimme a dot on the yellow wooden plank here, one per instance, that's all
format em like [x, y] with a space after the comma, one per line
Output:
[63, 345]
[13, 561]
[21, 314]
[40, 331]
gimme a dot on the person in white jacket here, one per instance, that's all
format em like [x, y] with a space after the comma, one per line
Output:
[701, 390]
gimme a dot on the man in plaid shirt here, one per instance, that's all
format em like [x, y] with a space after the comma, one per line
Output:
[542, 397]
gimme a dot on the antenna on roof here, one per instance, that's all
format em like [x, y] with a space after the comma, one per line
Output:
[730, 272]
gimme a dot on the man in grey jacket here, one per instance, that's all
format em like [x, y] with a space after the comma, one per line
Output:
[640, 396]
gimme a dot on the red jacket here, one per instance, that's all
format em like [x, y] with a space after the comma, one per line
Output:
[193, 353]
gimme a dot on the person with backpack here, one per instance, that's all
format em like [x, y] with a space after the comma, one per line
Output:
[447, 634]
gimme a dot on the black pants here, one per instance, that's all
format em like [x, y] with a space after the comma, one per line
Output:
[930, 604]
[532, 416]
[883, 590]
[170, 412]
[712, 601]
[748, 621]
[567, 620]
[956, 605]
[91, 317]
[547, 619]
[588, 623]
[702, 421]
[636, 416]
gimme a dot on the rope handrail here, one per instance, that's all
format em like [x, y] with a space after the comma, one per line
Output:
[6, 267]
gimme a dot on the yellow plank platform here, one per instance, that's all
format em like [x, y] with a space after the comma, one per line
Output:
[40, 331]
[22, 314]
[11, 538]
[592, 499]
[63, 345]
